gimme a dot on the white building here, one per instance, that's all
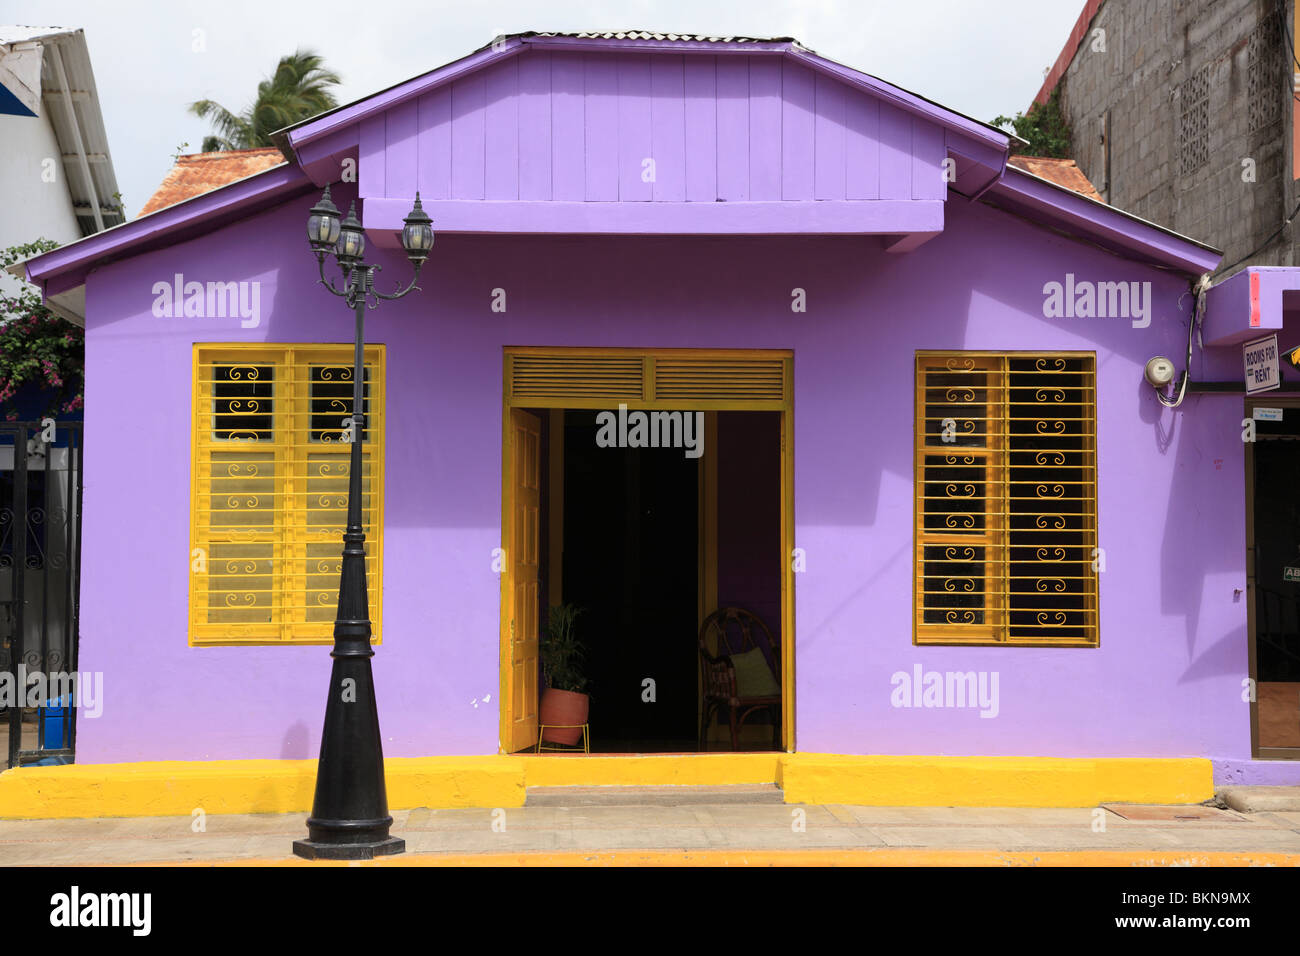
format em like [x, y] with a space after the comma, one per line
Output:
[56, 173]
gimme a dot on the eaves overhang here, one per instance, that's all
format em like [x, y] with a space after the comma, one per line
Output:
[1072, 214]
[63, 270]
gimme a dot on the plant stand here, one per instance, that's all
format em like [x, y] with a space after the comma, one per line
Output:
[586, 739]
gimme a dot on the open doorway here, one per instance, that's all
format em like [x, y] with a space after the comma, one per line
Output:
[630, 544]
[650, 539]
[1273, 562]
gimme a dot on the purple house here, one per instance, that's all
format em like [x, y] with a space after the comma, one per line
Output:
[709, 324]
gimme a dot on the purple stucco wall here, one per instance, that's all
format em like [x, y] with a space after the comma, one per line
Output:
[1166, 680]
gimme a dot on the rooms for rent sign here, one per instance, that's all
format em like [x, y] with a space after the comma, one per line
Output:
[1262, 372]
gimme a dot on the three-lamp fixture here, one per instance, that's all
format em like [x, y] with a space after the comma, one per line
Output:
[347, 239]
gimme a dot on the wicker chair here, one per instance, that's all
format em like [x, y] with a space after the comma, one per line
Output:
[734, 630]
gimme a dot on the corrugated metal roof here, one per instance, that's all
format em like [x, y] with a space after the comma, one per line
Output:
[18, 33]
[79, 119]
[641, 35]
[650, 35]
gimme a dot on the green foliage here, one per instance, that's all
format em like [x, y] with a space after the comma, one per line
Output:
[299, 88]
[561, 651]
[36, 346]
[1043, 126]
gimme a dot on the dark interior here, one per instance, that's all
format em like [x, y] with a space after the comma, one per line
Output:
[1277, 587]
[630, 559]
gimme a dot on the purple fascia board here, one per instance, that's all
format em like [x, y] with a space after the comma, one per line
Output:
[327, 123]
[1249, 304]
[1043, 201]
[66, 267]
[896, 96]
[885, 217]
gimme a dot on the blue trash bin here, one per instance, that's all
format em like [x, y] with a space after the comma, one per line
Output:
[53, 724]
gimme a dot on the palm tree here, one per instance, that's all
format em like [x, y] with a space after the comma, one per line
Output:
[300, 88]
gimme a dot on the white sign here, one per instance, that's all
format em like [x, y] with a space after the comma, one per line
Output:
[1262, 373]
[1263, 414]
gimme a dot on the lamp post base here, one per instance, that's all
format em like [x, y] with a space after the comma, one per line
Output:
[313, 850]
[348, 840]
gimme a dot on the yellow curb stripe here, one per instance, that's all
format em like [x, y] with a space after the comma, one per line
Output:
[887, 857]
[177, 788]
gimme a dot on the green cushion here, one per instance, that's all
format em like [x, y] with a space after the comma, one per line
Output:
[753, 676]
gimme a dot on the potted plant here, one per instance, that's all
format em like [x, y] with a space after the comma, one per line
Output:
[565, 699]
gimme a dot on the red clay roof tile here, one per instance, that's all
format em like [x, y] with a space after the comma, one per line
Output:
[197, 173]
[1062, 172]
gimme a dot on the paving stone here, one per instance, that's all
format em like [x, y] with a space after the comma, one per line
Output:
[604, 828]
[1256, 799]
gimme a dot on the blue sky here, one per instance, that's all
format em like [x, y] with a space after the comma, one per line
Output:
[980, 57]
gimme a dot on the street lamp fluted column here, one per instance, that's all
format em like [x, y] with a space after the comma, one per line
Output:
[349, 818]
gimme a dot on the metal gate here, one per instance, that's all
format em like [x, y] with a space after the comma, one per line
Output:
[40, 573]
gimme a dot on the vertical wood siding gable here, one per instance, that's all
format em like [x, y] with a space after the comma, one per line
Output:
[572, 126]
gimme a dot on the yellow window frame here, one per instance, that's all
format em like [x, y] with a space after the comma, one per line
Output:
[1004, 602]
[302, 503]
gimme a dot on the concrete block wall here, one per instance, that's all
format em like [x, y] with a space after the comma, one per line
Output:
[1141, 61]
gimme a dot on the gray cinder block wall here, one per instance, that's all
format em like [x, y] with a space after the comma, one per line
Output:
[1195, 98]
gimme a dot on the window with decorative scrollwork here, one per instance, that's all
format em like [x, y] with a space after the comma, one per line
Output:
[1006, 498]
[272, 432]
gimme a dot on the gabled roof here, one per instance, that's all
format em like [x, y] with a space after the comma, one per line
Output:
[197, 173]
[980, 150]
[292, 138]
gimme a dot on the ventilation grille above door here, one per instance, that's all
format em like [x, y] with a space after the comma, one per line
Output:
[579, 378]
[748, 379]
[535, 375]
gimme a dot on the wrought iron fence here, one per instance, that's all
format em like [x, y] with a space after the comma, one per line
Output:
[40, 572]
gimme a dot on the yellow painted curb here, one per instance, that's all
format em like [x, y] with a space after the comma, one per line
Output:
[651, 770]
[282, 786]
[173, 788]
[886, 781]
[888, 857]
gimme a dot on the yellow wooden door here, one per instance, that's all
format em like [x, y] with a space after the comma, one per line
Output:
[523, 561]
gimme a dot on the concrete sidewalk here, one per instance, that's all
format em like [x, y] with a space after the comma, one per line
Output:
[651, 829]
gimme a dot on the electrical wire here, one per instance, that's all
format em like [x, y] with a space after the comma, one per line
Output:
[1198, 313]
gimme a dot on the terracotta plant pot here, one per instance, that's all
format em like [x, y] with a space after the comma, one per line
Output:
[562, 707]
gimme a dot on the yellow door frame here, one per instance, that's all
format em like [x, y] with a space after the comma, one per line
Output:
[564, 389]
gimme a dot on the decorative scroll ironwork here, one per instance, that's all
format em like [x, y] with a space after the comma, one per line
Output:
[1021, 491]
[272, 436]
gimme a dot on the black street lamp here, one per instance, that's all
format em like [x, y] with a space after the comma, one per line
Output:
[349, 815]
